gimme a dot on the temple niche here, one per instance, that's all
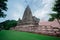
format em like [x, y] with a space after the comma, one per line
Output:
[28, 18]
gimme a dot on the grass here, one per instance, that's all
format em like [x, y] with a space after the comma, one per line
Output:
[15, 35]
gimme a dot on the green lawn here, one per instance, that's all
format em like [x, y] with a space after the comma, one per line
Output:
[15, 35]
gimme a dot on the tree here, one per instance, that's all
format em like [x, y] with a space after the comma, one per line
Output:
[8, 24]
[3, 7]
[56, 8]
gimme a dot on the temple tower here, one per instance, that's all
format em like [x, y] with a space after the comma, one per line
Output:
[27, 17]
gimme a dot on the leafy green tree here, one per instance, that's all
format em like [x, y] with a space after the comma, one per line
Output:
[8, 24]
[3, 7]
[56, 8]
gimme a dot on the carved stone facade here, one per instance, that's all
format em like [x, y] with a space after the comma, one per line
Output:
[30, 23]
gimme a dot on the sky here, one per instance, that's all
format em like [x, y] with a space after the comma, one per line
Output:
[40, 8]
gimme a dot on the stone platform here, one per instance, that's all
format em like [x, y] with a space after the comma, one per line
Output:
[40, 29]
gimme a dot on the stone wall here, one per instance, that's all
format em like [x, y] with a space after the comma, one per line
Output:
[41, 29]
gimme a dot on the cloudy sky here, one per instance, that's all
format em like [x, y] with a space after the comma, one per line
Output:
[39, 8]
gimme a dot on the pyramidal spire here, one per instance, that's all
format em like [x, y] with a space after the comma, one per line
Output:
[27, 16]
[28, 8]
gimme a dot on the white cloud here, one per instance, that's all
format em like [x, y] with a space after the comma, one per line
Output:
[15, 16]
[17, 11]
[43, 13]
